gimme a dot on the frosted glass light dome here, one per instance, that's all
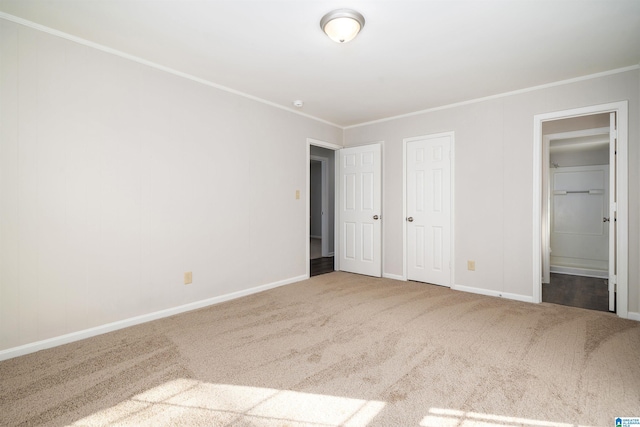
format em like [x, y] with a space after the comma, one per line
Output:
[342, 25]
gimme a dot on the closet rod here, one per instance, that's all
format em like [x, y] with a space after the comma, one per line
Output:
[563, 192]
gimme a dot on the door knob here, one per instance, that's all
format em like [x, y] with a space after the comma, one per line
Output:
[605, 219]
[376, 217]
[410, 219]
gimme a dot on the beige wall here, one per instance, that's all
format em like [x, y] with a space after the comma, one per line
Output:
[117, 178]
[493, 179]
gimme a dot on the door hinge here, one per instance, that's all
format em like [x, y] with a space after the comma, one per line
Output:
[614, 133]
[614, 207]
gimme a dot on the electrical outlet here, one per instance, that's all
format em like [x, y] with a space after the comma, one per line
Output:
[297, 194]
[471, 265]
[188, 278]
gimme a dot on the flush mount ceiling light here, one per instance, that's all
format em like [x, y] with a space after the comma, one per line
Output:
[342, 25]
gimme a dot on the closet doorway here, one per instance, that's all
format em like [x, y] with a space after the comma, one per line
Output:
[578, 197]
[581, 207]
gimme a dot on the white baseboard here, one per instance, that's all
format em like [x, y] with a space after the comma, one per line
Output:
[507, 295]
[121, 324]
[633, 316]
[393, 276]
[574, 271]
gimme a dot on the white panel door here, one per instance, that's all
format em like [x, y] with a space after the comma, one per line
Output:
[360, 213]
[428, 189]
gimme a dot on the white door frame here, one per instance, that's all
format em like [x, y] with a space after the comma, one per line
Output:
[622, 178]
[324, 184]
[334, 147]
[405, 259]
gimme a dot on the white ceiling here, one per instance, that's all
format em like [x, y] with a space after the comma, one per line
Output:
[410, 56]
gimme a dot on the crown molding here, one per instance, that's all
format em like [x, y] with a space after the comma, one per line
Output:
[155, 65]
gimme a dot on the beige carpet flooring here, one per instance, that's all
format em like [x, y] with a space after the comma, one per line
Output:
[340, 350]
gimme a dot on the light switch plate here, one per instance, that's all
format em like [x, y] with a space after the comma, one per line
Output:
[188, 278]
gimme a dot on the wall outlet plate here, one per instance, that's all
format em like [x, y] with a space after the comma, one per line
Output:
[188, 278]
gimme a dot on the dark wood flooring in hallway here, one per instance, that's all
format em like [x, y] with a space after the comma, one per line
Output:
[577, 291]
[321, 266]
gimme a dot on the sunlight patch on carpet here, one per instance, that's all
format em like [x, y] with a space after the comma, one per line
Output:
[192, 403]
[453, 418]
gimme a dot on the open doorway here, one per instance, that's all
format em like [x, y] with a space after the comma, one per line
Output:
[321, 217]
[576, 214]
[608, 212]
